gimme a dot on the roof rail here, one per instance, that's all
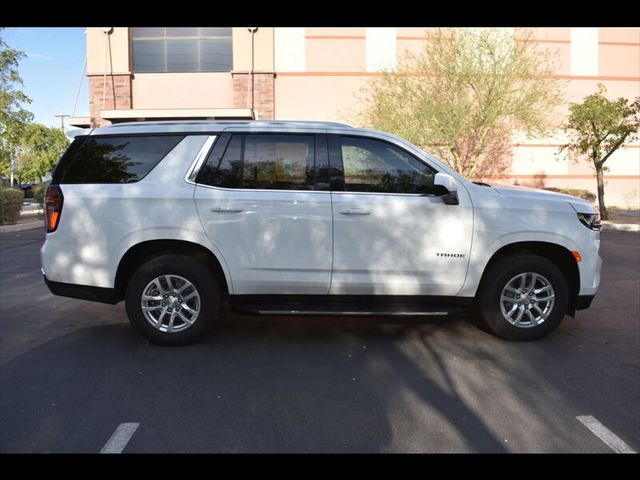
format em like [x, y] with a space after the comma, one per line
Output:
[308, 123]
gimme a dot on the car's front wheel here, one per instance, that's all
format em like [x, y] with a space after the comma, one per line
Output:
[172, 300]
[523, 297]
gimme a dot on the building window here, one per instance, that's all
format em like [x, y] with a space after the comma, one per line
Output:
[162, 49]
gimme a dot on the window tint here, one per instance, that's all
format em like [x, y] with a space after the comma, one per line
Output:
[58, 172]
[161, 49]
[376, 166]
[282, 162]
[278, 161]
[116, 159]
[229, 170]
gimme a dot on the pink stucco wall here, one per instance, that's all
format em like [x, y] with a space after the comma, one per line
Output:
[182, 90]
[335, 73]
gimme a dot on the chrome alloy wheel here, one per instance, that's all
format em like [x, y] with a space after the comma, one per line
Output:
[527, 300]
[170, 303]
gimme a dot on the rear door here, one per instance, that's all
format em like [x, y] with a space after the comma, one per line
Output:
[393, 235]
[261, 202]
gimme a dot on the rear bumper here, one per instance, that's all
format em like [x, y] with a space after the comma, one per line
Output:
[583, 301]
[82, 292]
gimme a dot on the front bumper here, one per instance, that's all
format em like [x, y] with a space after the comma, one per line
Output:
[583, 301]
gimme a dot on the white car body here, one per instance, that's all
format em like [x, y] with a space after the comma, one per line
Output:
[305, 242]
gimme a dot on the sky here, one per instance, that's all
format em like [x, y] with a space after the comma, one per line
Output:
[51, 70]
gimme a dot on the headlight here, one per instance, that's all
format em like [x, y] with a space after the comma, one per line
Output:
[590, 220]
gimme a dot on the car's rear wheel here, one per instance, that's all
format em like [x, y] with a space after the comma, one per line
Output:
[173, 300]
[523, 297]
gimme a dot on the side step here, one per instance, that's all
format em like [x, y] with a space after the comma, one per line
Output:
[348, 305]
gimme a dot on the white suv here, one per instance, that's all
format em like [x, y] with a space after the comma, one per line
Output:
[305, 218]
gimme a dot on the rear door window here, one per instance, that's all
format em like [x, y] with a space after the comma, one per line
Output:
[281, 162]
[263, 161]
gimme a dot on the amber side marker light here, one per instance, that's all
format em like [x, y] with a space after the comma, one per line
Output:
[577, 256]
[52, 208]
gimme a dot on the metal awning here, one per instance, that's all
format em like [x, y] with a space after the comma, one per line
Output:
[80, 122]
[119, 116]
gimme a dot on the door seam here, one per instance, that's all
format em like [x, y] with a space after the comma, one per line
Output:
[332, 241]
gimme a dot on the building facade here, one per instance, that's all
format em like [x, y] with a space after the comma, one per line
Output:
[317, 74]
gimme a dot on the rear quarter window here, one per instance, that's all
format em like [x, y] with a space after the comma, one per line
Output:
[113, 159]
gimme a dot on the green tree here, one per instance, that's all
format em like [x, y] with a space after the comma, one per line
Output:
[40, 149]
[464, 94]
[597, 127]
[22, 169]
[13, 116]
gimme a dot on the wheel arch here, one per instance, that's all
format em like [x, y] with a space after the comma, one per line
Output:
[142, 252]
[557, 254]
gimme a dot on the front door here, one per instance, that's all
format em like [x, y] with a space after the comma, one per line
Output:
[392, 234]
[258, 203]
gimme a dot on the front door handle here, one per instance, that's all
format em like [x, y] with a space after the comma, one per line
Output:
[354, 211]
[226, 210]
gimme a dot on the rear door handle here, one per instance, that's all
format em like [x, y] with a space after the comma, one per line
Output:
[354, 211]
[226, 210]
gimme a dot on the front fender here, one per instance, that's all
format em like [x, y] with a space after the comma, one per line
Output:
[482, 252]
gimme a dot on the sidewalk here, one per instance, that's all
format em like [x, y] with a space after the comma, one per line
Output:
[30, 217]
[22, 225]
[620, 227]
[622, 220]
[30, 207]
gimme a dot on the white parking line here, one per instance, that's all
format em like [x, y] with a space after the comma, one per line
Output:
[614, 442]
[120, 438]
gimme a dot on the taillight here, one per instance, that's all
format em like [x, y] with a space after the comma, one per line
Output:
[52, 208]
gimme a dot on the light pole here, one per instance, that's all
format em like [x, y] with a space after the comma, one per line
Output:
[253, 31]
[62, 120]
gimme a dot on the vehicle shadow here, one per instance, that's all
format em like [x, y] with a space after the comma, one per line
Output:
[272, 384]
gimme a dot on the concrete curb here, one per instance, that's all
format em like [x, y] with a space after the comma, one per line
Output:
[22, 226]
[27, 213]
[621, 227]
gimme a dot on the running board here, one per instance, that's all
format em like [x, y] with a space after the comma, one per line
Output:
[390, 313]
[349, 306]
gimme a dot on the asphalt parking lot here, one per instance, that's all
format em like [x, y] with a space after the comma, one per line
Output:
[72, 371]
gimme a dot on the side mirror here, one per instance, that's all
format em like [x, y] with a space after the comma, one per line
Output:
[449, 186]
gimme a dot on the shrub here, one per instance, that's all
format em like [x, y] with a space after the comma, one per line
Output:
[576, 192]
[39, 191]
[10, 204]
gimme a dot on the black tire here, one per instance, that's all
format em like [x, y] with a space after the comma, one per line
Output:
[497, 277]
[196, 273]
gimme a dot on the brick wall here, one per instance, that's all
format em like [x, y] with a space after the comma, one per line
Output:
[264, 103]
[116, 97]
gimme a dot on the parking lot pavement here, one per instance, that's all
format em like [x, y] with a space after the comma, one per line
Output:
[73, 372]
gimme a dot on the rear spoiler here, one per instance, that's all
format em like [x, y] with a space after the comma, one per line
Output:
[76, 132]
